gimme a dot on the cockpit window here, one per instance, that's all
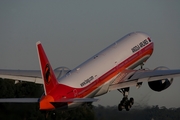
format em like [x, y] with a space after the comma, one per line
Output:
[149, 39]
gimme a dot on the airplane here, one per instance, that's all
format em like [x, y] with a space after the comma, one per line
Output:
[113, 68]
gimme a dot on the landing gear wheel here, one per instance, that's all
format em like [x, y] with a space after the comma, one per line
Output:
[120, 107]
[127, 107]
[124, 100]
[131, 101]
[125, 103]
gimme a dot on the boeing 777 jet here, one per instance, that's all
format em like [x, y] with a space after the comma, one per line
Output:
[113, 68]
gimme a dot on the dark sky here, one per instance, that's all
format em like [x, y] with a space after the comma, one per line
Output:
[73, 31]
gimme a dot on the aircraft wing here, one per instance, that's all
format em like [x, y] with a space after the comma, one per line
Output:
[22, 75]
[130, 78]
[26, 75]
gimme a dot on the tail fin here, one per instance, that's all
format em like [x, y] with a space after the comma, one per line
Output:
[47, 73]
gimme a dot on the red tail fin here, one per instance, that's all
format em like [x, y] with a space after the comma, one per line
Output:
[47, 73]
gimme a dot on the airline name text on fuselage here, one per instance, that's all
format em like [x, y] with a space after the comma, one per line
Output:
[87, 81]
[140, 45]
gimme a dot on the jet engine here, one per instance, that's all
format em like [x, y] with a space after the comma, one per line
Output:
[61, 71]
[160, 84]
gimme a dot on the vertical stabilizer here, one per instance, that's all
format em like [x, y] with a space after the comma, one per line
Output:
[47, 73]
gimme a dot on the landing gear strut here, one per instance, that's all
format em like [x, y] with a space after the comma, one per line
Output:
[142, 66]
[125, 103]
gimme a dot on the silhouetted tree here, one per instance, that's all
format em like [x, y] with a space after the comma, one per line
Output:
[21, 111]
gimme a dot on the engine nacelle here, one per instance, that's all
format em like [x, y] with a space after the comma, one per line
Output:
[61, 71]
[160, 84]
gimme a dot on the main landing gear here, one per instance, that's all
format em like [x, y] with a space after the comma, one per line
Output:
[125, 103]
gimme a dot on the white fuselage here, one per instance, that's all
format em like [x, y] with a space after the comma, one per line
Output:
[94, 76]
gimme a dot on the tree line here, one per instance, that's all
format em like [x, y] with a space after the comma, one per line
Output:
[30, 111]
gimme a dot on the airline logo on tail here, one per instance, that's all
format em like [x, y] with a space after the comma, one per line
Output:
[47, 74]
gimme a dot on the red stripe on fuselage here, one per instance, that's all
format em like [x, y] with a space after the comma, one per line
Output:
[117, 69]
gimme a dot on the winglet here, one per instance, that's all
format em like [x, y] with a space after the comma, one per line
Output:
[47, 73]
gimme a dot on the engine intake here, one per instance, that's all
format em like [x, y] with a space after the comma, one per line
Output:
[160, 84]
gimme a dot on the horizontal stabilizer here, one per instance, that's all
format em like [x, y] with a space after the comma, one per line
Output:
[19, 100]
[78, 100]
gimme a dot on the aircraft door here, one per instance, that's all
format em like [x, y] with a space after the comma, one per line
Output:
[75, 92]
